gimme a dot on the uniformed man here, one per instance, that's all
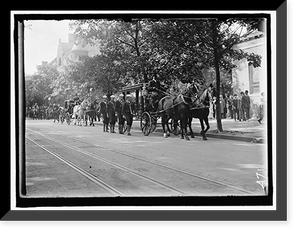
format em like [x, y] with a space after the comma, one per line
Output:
[111, 113]
[103, 111]
[127, 110]
[118, 108]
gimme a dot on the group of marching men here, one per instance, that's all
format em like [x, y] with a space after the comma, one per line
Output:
[117, 108]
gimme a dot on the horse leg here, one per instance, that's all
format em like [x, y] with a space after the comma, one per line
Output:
[190, 119]
[163, 123]
[207, 124]
[79, 121]
[184, 125]
[202, 130]
[168, 127]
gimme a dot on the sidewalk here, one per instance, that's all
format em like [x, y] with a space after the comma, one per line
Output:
[249, 131]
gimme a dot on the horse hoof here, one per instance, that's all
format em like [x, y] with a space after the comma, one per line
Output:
[181, 137]
[165, 135]
[187, 138]
[204, 138]
[192, 136]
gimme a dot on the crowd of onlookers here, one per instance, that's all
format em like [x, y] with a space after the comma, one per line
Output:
[237, 107]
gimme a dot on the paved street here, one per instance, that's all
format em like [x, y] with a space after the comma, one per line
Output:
[67, 160]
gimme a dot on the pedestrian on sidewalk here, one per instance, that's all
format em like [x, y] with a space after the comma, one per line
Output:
[121, 119]
[229, 107]
[236, 104]
[242, 113]
[222, 107]
[104, 113]
[261, 108]
[214, 106]
[111, 114]
[247, 105]
[128, 110]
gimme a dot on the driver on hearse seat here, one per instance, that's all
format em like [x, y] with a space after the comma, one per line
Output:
[154, 89]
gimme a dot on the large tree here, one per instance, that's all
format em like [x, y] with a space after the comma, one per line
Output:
[131, 38]
[38, 87]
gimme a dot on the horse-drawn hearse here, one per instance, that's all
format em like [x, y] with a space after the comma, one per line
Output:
[175, 107]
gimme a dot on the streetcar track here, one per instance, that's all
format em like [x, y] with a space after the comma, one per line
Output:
[118, 166]
[83, 172]
[141, 159]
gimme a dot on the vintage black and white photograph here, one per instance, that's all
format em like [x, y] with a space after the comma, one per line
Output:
[159, 106]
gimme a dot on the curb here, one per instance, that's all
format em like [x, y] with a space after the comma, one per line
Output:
[228, 137]
[214, 135]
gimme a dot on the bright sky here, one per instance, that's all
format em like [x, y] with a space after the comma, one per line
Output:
[41, 41]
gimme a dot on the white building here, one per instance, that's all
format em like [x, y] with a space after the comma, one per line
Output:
[245, 76]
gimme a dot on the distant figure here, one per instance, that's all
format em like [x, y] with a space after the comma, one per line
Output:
[104, 113]
[261, 108]
[242, 110]
[236, 105]
[118, 108]
[246, 105]
[222, 107]
[229, 106]
[214, 107]
[111, 114]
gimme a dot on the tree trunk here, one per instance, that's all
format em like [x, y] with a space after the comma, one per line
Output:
[217, 69]
[141, 62]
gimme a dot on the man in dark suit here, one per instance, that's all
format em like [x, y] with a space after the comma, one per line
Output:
[127, 110]
[247, 105]
[104, 113]
[118, 108]
[111, 114]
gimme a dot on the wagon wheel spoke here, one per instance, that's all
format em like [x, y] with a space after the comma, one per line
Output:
[146, 123]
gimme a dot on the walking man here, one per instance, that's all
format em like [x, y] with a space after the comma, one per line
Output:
[127, 110]
[111, 114]
[118, 108]
[103, 111]
[247, 105]
[235, 107]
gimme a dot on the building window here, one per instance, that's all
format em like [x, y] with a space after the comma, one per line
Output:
[253, 79]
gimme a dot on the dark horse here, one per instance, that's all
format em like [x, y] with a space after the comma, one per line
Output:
[201, 111]
[177, 108]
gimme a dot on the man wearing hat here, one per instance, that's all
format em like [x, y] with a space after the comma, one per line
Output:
[118, 108]
[111, 114]
[127, 110]
[103, 111]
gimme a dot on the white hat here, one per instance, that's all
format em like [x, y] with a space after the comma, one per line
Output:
[121, 95]
[112, 96]
[104, 96]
